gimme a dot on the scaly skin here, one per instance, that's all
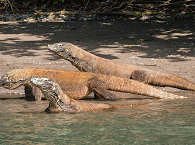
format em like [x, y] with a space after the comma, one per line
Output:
[60, 102]
[87, 62]
[78, 85]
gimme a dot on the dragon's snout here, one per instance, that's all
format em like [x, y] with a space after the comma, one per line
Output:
[10, 82]
[57, 47]
[52, 47]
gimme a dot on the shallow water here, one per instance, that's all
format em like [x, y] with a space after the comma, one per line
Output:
[161, 122]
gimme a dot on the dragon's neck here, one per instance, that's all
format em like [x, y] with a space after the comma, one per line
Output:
[77, 63]
[83, 61]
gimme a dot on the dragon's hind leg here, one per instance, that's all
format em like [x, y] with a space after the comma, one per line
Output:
[97, 86]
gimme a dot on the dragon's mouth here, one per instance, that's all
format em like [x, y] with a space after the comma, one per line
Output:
[11, 84]
[55, 48]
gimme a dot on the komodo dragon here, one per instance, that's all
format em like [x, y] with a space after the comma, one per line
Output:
[78, 85]
[87, 62]
[60, 102]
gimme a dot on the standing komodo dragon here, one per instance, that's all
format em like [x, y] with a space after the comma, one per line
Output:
[60, 102]
[87, 62]
[78, 85]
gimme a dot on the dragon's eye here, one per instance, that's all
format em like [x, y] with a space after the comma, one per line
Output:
[59, 44]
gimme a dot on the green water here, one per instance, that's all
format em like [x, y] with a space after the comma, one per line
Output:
[169, 122]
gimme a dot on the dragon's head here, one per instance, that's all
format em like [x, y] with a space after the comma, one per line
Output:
[44, 84]
[62, 49]
[11, 80]
[14, 78]
[52, 92]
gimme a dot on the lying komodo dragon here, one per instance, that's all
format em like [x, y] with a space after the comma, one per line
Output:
[60, 102]
[87, 62]
[78, 85]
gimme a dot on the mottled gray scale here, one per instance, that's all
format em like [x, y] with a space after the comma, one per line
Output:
[139, 75]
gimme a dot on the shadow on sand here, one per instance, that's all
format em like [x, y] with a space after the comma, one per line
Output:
[169, 40]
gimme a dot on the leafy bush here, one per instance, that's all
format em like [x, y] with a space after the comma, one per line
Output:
[103, 6]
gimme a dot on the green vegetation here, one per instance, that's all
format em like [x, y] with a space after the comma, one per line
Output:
[136, 7]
